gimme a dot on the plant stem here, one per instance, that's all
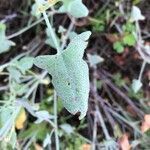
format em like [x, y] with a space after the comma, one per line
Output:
[67, 35]
[27, 27]
[55, 94]
[55, 121]
[99, 115]
[94, 132]
[51, 32]
[142, 70]
[4, 66]
[132, 124]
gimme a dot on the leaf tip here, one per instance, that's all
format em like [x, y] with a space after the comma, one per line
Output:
[82, 114]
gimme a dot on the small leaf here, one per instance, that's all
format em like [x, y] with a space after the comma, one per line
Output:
[117, 131]
[75, 8]
[118, 47]
[5, 114]
[14, 73]
[70, 74]
[61, 29]
[129, 40]
[136, 85]
[4, 43]
[21, 118]
[147, 48]
[34, 11]
[129, 27]
[39, 130]
[47, 141]
[67, 128]
[25, 64]
[43, 115]
[19, 89]
[13, 139]
[94, 59]
[136, 14]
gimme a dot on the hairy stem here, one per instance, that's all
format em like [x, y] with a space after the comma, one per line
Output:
[142, 70]
[100, 117]
[56, 124]
[55, 94]
[51, 32]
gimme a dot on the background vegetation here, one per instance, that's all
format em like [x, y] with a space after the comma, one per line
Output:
[118, 55]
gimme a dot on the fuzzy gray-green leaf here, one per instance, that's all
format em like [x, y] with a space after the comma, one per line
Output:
[5, 44]
[75, 8]
[70, 74]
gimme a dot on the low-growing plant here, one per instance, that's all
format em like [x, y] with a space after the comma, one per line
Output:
[42, 90]
[69, 72]
[73, 86]
[127, 39]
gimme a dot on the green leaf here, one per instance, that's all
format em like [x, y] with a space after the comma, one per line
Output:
[136, 14]
[13, 139]
[129, 40]
[129, 27]
[14, 73]
[70, 74]
[94, 59]
[75, 8]
[67, 128]
[25, 64]
[38, 130]
[47, 140]
[119, 81]
[136, 85]
[4, 43]
[34, 11]
[5, 114]
[62, 29]
[147, 48]
[19, 89]
[118, 47]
